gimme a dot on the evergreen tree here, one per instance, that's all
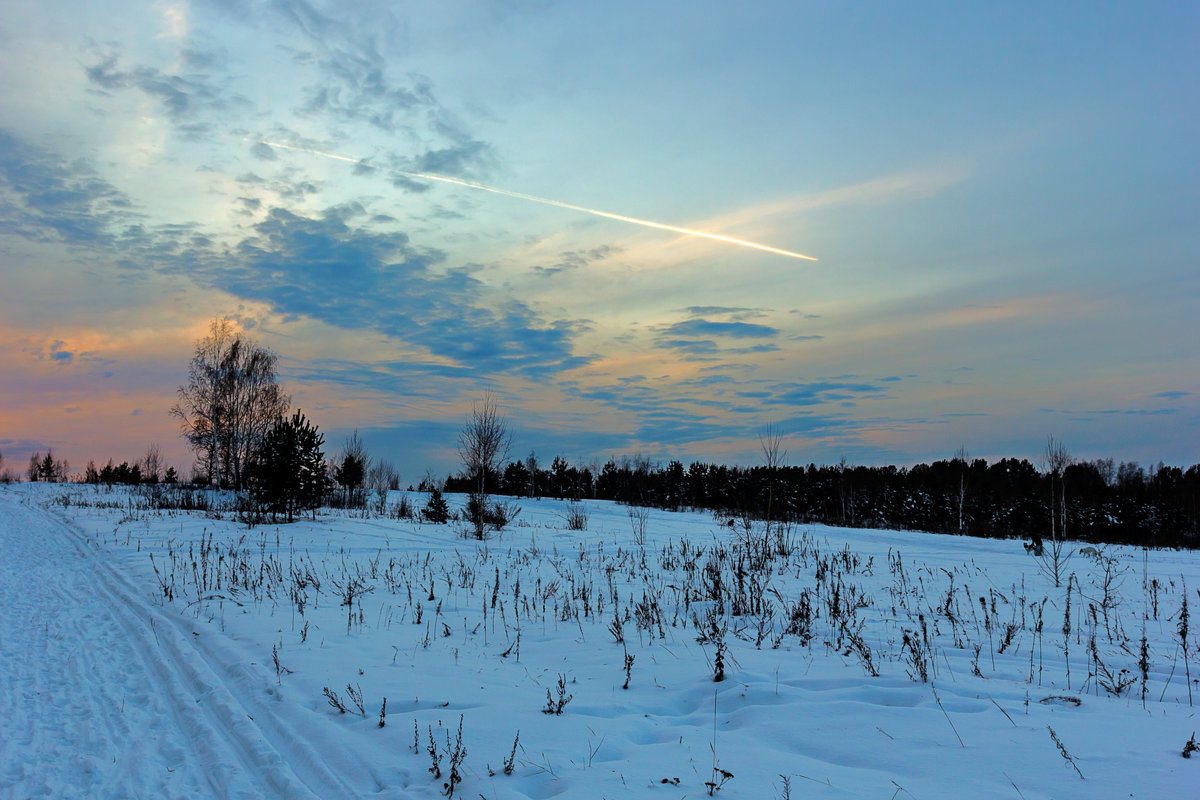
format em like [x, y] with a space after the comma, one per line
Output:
[289, 469]
[436, 510]
[46, 471]
[314, 483]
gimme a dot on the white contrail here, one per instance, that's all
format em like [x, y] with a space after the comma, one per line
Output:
[548, 202]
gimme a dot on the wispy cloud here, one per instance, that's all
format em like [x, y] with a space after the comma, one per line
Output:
[46, 198]
[356, 81]
[734, 330]
[191, 100]
[797, 394]
[897, 187]
[577, 259]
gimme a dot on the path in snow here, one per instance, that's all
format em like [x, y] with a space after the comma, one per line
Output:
[105, 696]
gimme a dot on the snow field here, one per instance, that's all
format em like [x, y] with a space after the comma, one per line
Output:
[450, 629]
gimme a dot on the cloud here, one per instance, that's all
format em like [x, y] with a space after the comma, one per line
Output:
[466, 160]
[184, 98]
[1111, 412]
[899, 187]
[296, 190]
[734, 313]
[706, 311]
[821, 392]
[578, 259]
[408, 184]
[1171, 395]
[59, 354]
[46, 198]
[354, 82]
[354, 278]
[263, 151]
[697, 347]
[340, 267]
[704, 327]
[697, 338]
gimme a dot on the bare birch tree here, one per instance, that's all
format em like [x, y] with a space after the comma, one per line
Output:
[1055, 557]
[230, 401]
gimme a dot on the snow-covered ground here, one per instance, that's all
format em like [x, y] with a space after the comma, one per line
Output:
[167, 654]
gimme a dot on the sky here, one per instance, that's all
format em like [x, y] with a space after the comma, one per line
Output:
[1004, 202]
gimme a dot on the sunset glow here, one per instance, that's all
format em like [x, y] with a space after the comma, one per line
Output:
[1002, 198]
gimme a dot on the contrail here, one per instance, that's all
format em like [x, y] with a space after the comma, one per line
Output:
[548, 202]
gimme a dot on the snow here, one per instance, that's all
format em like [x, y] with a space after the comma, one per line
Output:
[127, 676]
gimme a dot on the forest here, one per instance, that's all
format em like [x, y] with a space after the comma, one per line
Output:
[1104, 502]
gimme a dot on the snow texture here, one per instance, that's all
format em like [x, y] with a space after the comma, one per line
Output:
[127, 676]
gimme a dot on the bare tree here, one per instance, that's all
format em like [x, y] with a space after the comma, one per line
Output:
[383, 476]
[1058, 458]
[771, 442]
[200, 406]
[229, 402]
[1054, 559]
[254, 400]
[483, 445]
[151, 464]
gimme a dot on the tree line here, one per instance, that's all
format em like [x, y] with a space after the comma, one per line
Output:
[238, 422]
[1099, 500]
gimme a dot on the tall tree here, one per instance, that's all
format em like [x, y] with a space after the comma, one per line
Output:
[230, 400]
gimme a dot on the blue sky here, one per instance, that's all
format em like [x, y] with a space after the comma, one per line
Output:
[1003, 200]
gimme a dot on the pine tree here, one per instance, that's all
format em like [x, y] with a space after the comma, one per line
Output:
[46, 469]
[314, 483]
[289, 470]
